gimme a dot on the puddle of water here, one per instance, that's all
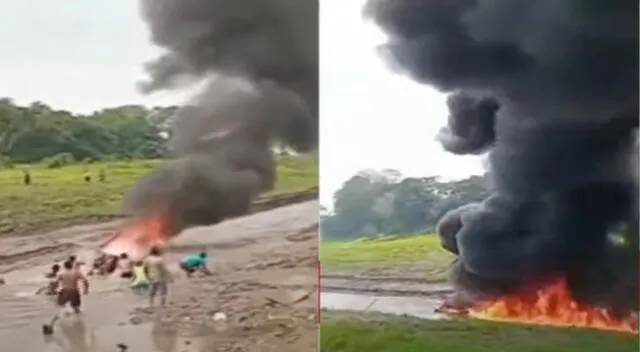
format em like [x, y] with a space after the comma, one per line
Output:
[73, 334]
[421, 307]
[153, 338]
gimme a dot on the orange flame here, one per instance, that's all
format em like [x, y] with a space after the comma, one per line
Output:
[137, 237]
[550, 305]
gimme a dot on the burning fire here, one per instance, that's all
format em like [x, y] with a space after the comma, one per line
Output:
[550, 305]
[138, 236]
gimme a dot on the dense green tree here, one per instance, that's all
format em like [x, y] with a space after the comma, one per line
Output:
[379, 203]
[36, 132]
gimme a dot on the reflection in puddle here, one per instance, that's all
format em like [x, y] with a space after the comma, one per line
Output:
[72, 335]
[157, 337]
[167, 339]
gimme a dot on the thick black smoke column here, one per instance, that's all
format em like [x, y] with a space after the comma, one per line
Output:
[550, 89]
[258, 63]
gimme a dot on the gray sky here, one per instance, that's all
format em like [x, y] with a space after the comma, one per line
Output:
[79, 55]
[370, 117]
[84, 55]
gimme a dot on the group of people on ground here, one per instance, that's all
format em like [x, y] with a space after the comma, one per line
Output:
[150, 274]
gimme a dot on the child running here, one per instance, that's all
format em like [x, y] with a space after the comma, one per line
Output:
[195, 262]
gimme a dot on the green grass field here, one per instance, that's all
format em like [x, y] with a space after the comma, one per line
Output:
[62, 192]
[419, 253]
[373, 332]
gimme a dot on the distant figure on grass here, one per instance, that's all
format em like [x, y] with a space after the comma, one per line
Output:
[125, 265]
[102, 175]
[195, 262]
[140, 279]
[69, 292]
[87, 177]
[158, 274]
[26, 177]
[51, 287]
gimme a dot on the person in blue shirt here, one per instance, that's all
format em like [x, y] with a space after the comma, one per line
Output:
[195, 262]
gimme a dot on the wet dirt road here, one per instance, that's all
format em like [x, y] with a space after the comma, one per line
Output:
[391, 295]
[264, 282]
[421, 307]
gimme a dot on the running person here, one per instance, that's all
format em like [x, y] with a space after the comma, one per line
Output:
[195, 262]
[158, 275]
[69, 291]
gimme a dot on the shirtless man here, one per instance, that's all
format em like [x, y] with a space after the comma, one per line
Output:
[158, 275]
[69, 291]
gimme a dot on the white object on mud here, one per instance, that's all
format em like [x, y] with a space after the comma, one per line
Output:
[219, 316]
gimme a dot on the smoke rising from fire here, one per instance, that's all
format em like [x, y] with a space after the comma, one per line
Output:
[550, 89]
[257, 62]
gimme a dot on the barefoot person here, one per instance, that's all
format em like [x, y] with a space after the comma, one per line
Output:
[158, 275]
[195, 262]
[69, 291]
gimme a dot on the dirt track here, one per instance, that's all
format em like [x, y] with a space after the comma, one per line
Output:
[387, 286]
[265, 282]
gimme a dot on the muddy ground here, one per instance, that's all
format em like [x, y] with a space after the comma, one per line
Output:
[264, 285]
[263, 203]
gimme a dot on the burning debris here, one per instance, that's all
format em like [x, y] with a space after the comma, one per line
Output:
[258, 65]
[549, 89]
[136, 237]
[551, 304]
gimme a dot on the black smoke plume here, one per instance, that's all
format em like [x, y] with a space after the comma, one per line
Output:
[550, 89]
[258, 63]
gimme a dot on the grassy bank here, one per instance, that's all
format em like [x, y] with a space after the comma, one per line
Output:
[371, 332]
[401, 256]
[63, 193]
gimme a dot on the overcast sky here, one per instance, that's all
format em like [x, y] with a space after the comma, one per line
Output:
[78, 55]
[371, 118]
[84, 55]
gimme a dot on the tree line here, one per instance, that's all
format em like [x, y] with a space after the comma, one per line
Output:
[37, 132]
[380, 203]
